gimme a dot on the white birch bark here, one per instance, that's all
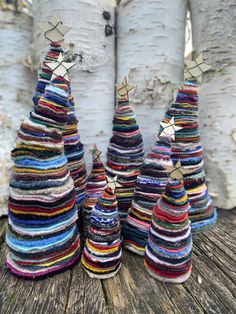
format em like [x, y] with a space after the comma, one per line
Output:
[16, 89]
[150, 51]
[214, 34]
[93, 78]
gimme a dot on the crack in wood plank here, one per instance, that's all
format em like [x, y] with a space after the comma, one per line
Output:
[68, 291]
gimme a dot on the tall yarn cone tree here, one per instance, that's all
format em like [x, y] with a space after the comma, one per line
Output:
[150, 185]
[169, 248]
[187, 148]
[125, 151]
[95, 185]
[54, 31]
[102, 252]
[42, 237]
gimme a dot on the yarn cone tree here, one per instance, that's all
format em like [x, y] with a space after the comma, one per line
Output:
[187, 148]
[54, 31]
[169, 247]
[95, 185]
[125, 151]
[150, 185]
[101, 256]
[42, 237]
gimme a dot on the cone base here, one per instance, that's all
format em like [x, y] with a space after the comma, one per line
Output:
[136, 250]
[102, 276]
[204, 225]
[177, 280]
[20, 273]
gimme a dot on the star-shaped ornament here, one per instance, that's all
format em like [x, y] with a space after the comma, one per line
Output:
[195, 69]
[176, 172]
[95, 153]
[60, 67]
[54, 30]
[170, 128]
[112, 183]
[123, 89]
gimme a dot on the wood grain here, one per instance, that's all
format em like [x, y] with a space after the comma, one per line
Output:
[86, 294]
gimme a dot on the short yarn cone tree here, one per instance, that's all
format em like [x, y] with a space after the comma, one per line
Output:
[150, 185]
[169, 247]
[102, 252]
[54, 31]
[125, 151]
[42, 237]
[187, 148]
[95, 185]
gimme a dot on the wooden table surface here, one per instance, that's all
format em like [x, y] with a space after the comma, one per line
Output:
[210, 289]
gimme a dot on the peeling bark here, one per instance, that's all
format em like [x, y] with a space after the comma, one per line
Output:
[93, 76]
[150, 51]
[16, 88]
[214, 34]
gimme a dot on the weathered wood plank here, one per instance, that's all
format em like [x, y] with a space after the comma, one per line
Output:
[223, 258]
[219, 283]
[85, 294]
[133, 291]
[3, 225]
[203, 295]
[27, 297]
[183, 300]
[7, 282]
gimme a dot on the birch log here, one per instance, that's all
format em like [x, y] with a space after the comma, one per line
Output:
[93, 76]
[150, 51]
[214, 34]
[16, 88]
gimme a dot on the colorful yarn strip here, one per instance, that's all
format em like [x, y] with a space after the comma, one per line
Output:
[169, 247]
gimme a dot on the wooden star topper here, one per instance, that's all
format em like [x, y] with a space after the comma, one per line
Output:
[54, 30]
[176, 172]
[112, 183]
[60, 67]
[95, 153]
[123, 89]
[169, 128]
[195, 69]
